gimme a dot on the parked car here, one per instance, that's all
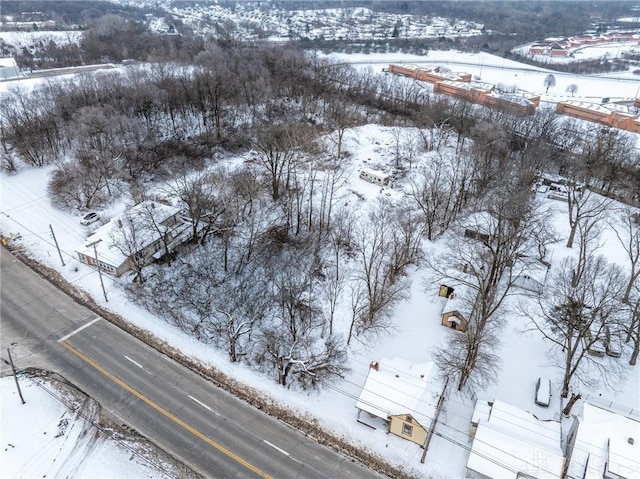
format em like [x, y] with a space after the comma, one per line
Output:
[543, 391]
[89, 218]
[613, 344]
[597, 348]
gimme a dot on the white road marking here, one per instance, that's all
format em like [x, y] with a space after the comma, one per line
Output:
[75, 331]
[282, 451]
[131, 360]
[203, 405]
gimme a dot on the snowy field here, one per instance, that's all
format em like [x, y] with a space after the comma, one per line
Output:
[620, 86]
[27, 213]
[46, 438]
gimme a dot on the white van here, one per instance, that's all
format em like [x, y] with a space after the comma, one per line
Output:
[373, 176]
[543, 391]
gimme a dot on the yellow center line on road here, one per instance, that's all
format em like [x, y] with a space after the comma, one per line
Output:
[166, 413]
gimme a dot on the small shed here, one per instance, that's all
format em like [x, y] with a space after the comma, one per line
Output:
[454, 311]
[480, 226]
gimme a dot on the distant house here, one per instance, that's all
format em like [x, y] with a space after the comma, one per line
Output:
[510, 443]
[148, 228]
[603, 444]
[479, 226]
[533, 277]
[8, 68]
[454, 314]
[400, 397]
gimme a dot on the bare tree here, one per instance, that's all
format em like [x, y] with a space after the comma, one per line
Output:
[585, 208]
[469, 358]
[374, 242]
[198, 191]
[627, 229]
[549, 81]
[573, 88]
[575, 317]
[440, 189]
[291, 342]
[632, 326]
[279, 149]
[129, 237]
[238, 314]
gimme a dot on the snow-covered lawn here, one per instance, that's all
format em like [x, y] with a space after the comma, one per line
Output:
[50, 436]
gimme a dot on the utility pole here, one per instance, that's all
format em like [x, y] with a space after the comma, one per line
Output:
[56, 242]
[15, 377]
[434, 421]
[95, 252]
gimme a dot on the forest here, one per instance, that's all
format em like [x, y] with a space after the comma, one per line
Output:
[248, 140]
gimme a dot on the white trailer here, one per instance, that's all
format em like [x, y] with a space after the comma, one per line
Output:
[373, 176]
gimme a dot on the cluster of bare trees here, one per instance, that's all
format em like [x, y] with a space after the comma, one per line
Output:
[592, 306]
[264, 280]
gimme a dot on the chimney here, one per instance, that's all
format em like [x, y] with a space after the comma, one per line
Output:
[374, 365]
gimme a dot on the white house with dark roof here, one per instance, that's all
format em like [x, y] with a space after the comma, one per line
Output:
[146, 230]
[401, 397]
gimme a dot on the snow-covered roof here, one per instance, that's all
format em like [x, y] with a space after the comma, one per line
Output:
[510, 441]
[8, 62]
[602, 108]
[535, 270]
[106, 234]
[459, 300]
[603, 438]
[376, 173]
[481, 222]
[400, 387]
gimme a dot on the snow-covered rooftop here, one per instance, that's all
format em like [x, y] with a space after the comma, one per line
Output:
[8, 62]
[605, 437]
[144, 234]
[400, 387]
[509, 441]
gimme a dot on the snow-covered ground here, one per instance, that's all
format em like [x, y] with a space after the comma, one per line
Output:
[617, 86]
[20, 40]
[50, 436]
[27, 211]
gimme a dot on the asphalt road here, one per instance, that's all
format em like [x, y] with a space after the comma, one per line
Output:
[187, 416]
